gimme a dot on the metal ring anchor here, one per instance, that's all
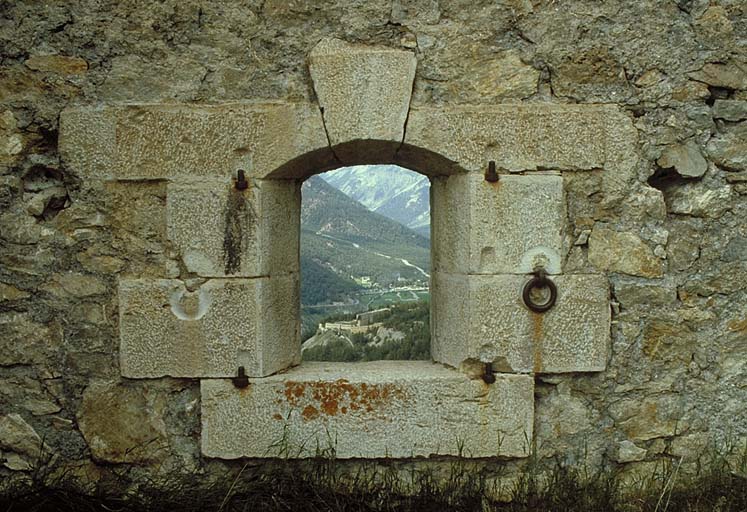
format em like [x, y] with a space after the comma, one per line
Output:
[540, 280]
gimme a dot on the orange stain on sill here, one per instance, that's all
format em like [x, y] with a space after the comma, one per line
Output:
[339, 397]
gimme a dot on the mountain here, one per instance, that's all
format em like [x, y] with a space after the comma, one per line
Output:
[390, 190]
[329, 211]
[345, 248]
[411, 207]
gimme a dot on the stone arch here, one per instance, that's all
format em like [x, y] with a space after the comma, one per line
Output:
[367, 152]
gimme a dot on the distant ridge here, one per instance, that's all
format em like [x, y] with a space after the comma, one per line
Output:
[392, 191]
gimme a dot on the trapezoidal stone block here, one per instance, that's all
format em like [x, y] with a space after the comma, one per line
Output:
[364, 94]
[478, 318]
[397, 409]
[171, 141]
[511, 226]
[167, 330]
[220, 230]
[516, 137]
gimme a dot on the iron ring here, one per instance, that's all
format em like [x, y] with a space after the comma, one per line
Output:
[540, 280]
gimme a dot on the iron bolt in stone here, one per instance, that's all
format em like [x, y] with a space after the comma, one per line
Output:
[241, 380]
[491, 174]
[241, 183]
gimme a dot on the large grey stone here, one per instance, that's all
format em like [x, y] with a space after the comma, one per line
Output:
[698, 200]
[627, 451]
[623, 252]
[686, 159]
[729, 151]
[88, 141]
[574, 75]
[730, 110]
[504, 227]
[364, 92]
[732, 75]
[166, 329]
[516, 137]
[122, 423]
[25, 341]
[657, 415]
[57, 64]
[29, 395]
[483, 319]
[397, 409]
[222, 231]
[157, 141]
[503, 76]
[19, 437]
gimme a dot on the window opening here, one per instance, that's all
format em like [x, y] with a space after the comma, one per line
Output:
[365, 265]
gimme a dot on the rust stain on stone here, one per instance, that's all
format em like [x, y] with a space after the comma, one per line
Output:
[330, 407]
[277, 417]
[339, 397]
[239, 227]
[310, 412]
[293, 391]
[537, 331]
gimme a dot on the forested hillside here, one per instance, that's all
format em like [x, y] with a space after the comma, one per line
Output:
[404, 335]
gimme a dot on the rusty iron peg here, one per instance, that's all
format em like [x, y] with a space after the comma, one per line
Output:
[241, 380]
[488, 376]
[241, 183]
[491, 174]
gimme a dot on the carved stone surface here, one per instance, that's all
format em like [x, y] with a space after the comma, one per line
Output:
[504, 227]
[364, 92]
[141, 142]
[167, 330]
[483, 318]
[397, 409]
[221, 231]
[516, 137]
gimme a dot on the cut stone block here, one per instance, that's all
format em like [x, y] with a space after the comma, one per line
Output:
[88, 140]
[222, 231]
[484, 319]
[141, 142]
[397, 409]
[516, 137]
[167, 330]
[510, 226]
[364, 92]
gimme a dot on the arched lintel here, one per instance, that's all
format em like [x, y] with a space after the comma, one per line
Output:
[367, 152]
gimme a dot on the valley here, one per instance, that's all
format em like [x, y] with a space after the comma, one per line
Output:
[353, 259]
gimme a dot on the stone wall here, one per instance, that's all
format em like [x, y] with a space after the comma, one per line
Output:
[667, 232]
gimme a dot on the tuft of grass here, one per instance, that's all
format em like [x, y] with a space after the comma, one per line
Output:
[327, 484]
